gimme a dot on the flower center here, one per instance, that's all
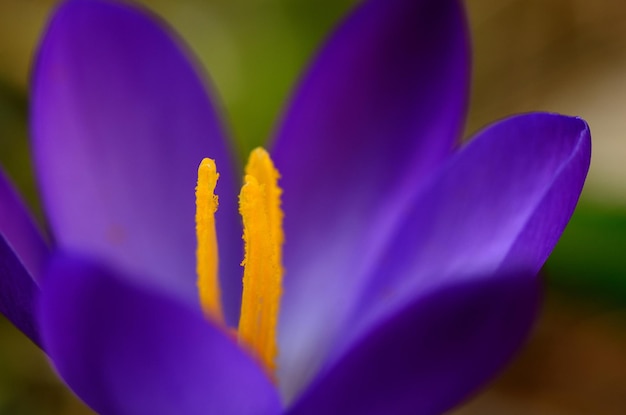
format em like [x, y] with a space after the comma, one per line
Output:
[259, 206]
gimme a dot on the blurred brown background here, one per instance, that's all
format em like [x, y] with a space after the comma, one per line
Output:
[567, 56]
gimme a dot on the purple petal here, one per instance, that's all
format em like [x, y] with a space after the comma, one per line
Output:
[20, 232]
[17, 292]
[23, 254]
[499, 205]
[121, 120]
[380, 108]
[431, 355]
[126, 350]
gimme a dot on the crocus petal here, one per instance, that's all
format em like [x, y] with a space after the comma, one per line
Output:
[380, 108]
[23, 254]
[120, 121]
[127, 350]
[431, 355]
[499, 205]
[17, 292]
[19, 230]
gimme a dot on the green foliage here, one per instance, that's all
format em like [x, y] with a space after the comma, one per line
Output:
[590, 259]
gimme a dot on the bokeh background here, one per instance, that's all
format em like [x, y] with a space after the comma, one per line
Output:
[567, 56]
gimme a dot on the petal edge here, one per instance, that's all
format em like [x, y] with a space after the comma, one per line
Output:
[130, 351]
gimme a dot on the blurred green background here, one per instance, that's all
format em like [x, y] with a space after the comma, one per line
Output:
[567, 56]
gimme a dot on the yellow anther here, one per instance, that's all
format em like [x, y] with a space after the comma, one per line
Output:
[259, 205]
[206, 253]
[261, 167]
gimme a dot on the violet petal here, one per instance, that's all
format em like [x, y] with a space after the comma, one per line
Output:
[381, 106]
[17, 292]
[499, 205]
[124, 349]
[20, 231]
[23, 254]
[431, 355]
[120, 122]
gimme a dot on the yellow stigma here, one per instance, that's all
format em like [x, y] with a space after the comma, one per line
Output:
[259, 206]
[206, 253]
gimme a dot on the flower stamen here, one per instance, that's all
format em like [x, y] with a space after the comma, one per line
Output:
[259, 205]
[206, 253]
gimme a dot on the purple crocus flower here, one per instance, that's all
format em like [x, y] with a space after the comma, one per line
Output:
[411, 261]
